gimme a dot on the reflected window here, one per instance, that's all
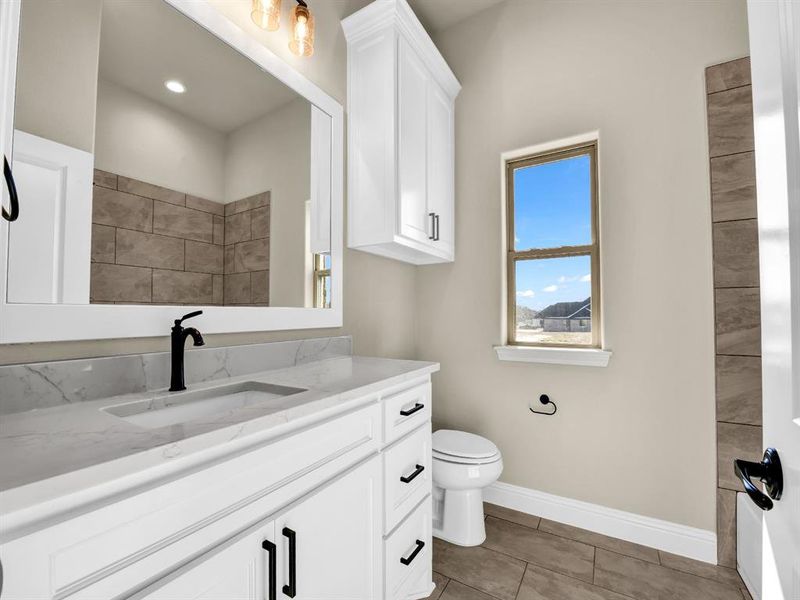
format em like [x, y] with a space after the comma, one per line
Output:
[553, 248]
[322, 281]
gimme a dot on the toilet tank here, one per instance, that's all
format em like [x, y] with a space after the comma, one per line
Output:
[748, 543]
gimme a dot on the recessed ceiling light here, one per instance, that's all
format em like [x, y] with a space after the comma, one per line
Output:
[173, 85]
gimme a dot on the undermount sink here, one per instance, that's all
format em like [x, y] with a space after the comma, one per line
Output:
[180, 407]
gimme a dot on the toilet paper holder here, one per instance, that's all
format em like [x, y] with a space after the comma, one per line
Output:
[545, 400]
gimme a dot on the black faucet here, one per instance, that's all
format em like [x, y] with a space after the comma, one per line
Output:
[179, 335]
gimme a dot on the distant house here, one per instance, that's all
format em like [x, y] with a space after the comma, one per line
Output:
[567, 316]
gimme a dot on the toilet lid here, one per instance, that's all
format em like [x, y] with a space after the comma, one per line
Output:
[463, 444]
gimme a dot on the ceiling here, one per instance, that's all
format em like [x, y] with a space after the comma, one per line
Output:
[441, 14]
[144, 43]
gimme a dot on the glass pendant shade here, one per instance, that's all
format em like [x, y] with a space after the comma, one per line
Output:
[302, 36]
[266, 14]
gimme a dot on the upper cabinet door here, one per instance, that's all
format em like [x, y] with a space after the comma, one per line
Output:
[415, 223]
[335, 536]
[441, 168]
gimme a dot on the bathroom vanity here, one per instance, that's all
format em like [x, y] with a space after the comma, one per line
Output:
[308, 481]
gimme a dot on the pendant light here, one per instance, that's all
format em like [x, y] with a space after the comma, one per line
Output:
[302, 33]
[266, 14]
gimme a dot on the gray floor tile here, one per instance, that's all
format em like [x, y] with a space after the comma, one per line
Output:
[458, 591]
[480, 568]
[600, 541]
[552, 552]
[647, 581]
[508, 514]
[695, 567]
[541, 584]
[441, 582]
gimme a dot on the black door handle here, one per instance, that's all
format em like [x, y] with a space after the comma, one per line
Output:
[436, 222]
[291, 589]
[408, 479]
[411, 411]
[272, 567]
[432, 236]
[768, 471]
[12, 193]
[413, 555]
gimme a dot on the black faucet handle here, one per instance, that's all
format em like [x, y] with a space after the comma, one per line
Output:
[188, 316]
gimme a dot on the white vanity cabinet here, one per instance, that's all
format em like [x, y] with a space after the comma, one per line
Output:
[338, 508]
[401, 96]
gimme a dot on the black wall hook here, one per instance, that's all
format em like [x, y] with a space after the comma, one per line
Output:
[545, 400]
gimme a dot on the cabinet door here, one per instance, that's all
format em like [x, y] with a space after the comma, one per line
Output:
[441, 166]
[336, 538]
[238, 570]
[412, 101]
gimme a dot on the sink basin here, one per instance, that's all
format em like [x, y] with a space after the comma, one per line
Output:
[179, 407]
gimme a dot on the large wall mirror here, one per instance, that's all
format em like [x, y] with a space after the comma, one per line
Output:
[163, 158]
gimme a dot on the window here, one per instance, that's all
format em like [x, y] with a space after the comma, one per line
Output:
[322, 281]
[553, 248]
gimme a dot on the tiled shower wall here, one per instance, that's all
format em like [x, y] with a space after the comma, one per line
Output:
[247, 227]
[736, 286]
[153, 245]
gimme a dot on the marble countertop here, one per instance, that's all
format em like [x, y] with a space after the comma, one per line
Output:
[48, 453]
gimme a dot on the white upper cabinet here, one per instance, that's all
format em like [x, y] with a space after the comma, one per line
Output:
[401, 96]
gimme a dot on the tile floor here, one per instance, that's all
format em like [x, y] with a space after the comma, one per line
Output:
[528, 558]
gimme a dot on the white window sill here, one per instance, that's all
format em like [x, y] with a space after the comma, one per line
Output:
[585, 357]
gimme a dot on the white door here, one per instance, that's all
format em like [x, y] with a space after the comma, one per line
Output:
[415, 222]
[49, 245]
[335, 536]
[238, 570]
[440, 168]
[775, 58]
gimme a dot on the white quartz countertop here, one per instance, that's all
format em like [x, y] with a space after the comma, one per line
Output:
[48, 453]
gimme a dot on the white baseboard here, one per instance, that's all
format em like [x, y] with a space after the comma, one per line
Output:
[691, 542]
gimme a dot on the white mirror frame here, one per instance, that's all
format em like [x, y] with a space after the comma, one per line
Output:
[60, 322]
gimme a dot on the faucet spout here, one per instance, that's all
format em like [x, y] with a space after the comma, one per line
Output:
[179, 335]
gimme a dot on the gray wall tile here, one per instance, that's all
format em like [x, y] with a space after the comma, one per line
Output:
[218, 291]
[739, 389]
[736, 253]
[730, 121]
[219, 230]
[204, 258]
[251, 256]
[237, 227]
[149, 250]
[249, 203]
[259, 226]
[148, 190]
[230, 252]
[209, 206]
[103, 240]
[237, 289]
[186, 223]
[118, 209]
[733, 187]
[120, 283]
[735, 441]
[731, 74]
[726, 528]
[178, 287]
[738, 321]
[259, 285]
[105, 179]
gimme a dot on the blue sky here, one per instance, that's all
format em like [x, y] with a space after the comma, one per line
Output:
[552, 207]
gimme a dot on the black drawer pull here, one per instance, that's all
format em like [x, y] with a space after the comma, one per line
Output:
[408, 479]
[413, 555]
[432, 236]
[407, 413]
[291, 589]
[273, 568]
[12, 193]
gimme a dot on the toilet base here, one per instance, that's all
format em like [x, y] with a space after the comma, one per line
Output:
[460, 517]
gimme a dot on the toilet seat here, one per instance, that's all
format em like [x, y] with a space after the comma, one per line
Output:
[463, 448]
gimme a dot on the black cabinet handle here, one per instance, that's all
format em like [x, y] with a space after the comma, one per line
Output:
[436, 223]
[273, 568]
[413, 555]
[411, 411]
[291, 589]
[432, 236]
[768, 471]
[12, 193]
[408, 479]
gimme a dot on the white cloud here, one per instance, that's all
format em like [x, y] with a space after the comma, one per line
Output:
[562, 279]
[587, 277]
[526, 293]
[550, 288]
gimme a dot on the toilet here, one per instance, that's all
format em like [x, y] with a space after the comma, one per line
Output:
[463, 464]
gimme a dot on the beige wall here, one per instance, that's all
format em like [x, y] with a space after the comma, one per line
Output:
[378, 293]
[57, 70]
[638, 435]
[273, 153]
[145, 140]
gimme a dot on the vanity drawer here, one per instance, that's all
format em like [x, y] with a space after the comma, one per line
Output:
[407, 475]
[407, 555]
[405, 411]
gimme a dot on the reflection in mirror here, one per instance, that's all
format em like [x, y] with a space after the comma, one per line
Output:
[161, 166]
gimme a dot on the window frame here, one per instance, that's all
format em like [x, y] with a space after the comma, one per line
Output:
[592, 250]
[319, 274]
